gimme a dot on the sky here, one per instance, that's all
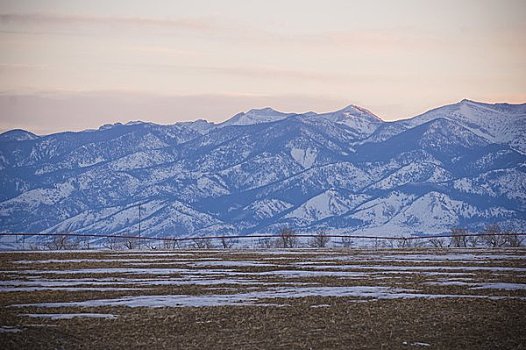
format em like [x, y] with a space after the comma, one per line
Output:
[72, 65]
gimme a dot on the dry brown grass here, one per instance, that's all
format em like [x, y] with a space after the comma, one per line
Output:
[293, 323]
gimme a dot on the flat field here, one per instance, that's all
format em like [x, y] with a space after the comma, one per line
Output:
[268, 299]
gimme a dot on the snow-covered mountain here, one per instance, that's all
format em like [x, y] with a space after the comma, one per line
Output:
[497, 123]
[256, 116]
[348, 171]
[356, 118]
[17, 135]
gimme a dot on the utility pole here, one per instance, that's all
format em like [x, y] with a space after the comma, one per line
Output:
[139, 243]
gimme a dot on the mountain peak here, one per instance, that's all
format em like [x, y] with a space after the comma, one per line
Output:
[264, 110]
[136, 122]
[109, 126]
[507, 108]
[357, 111]
[344, 171]
[357, 118]
[256, 116]
[353, 107]
[201, 126]
[17, 135]
[496, 123]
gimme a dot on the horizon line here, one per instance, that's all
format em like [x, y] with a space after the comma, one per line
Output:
[214, 123]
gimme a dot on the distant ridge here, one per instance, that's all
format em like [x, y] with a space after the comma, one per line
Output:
[460, 165]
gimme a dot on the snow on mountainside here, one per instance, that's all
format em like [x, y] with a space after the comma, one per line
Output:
[355, 117]
[17, 135]
[413, 173]
[327, 204]
[497, 123]
[346, 171]
[201, 126]
[256, 116]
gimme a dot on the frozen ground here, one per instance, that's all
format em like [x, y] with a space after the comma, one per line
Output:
[302, 290]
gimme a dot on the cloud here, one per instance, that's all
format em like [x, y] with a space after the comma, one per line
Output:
[191, 24]
[397, 39]
[20, 66]
[385, 39]
[162, 50]
[270, 72]
[274, 73]
[258, 72]
[238, 31]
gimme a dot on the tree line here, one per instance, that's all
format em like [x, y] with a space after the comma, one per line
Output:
[491, 236]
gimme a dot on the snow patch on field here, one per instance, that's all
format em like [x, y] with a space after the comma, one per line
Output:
[114, 270]
[306, 273]
[251, 298]
[390, 268]
[80, 261]
[425, 257]
[500, 285]
[65, 289]
[10, 329]
[231, 263]
[70, 316]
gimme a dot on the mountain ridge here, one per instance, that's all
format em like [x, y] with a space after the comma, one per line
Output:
[345, 171]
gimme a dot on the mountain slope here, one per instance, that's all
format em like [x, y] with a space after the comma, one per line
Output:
[346, 171]
[497, 123]
[256, 116]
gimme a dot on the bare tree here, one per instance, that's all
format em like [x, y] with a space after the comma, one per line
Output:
[203, 243]
[170, 243]
[347, 242]
[402, 242]
[492, 236]
[181, 244]
[287, 238]
[227, 243]
[459, 238]
[130, 243]
[209, 243]
[320, 240]
[388, 243]
[438, 242]
[199, 243]
[84, 242]
[111, 243]
[513, 239]
[18, 241]
[59, 242]
[265, 243]
[418, 243]
[35, 246]
[474, 241]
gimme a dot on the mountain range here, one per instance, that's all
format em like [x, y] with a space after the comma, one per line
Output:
[460, 165]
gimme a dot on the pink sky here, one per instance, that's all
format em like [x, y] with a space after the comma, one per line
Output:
[70, 65]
